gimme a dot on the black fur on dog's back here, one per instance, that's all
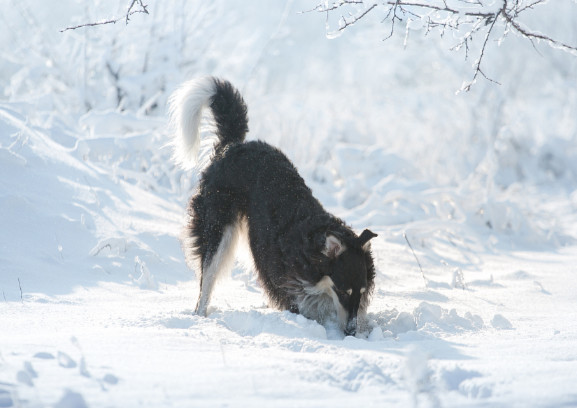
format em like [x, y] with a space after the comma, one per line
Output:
[256, 185]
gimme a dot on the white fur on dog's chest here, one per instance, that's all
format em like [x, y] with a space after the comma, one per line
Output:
[321, 303]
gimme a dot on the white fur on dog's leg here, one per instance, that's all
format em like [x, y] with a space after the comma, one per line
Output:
[203, 299]
[221, 263]
[200, 309]
[209, 275]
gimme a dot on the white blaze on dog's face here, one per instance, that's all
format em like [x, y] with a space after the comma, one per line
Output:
[348, 275]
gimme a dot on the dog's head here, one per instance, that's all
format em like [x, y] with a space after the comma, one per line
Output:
[348, 275]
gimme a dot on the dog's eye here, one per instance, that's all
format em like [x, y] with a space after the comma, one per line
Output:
[344, 293]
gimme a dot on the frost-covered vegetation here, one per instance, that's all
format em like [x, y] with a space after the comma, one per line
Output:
[473, 196]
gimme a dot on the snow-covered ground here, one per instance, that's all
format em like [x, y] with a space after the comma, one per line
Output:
[474, 198]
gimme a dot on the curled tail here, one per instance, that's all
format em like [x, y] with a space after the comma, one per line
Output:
[186, 105]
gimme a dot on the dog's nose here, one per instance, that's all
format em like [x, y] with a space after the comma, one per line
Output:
[351, 328]
[350, 332]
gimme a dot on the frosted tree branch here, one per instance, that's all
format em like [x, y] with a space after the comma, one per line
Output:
[135, 7]
[468, 19]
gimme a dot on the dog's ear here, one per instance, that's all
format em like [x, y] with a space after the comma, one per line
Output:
[365, 237]
[333, 247]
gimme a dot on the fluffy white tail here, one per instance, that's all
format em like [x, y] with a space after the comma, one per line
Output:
[185, 107]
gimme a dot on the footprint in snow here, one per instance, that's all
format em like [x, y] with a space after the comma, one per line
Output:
[30, 370]
[24, 378]
[469, 383]
[541, 288]
[110, 379]
[27, 374]
[501, 323]
[44, 355]
[6, 400]
[64, 360]
[71, 399]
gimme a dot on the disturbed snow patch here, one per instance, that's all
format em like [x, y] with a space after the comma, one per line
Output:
[349, 375]
[426, 317]
[256, 322]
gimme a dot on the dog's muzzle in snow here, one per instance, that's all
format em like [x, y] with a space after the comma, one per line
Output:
[351, 328]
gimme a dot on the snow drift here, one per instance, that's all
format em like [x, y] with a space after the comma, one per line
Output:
[473, 197]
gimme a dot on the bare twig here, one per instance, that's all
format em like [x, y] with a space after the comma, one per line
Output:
[96, 253]
[469, 13]
[392, 14]
[538, 36]
[115, 74]
[467, 18]
[481, 55]
[325, 8]
[143, 9]
[21, 294]
[347, 23]
[418, 262]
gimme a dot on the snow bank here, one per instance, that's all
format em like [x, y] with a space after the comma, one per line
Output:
[473, 197]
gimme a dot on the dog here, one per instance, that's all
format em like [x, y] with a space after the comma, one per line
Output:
[307, 260]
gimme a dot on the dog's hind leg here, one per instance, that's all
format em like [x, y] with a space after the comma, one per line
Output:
[210, 241]
[216, 264]
[210, 238]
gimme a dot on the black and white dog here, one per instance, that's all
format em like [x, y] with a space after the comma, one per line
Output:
[307, 260]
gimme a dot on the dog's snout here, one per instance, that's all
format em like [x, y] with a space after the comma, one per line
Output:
[351, 328]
